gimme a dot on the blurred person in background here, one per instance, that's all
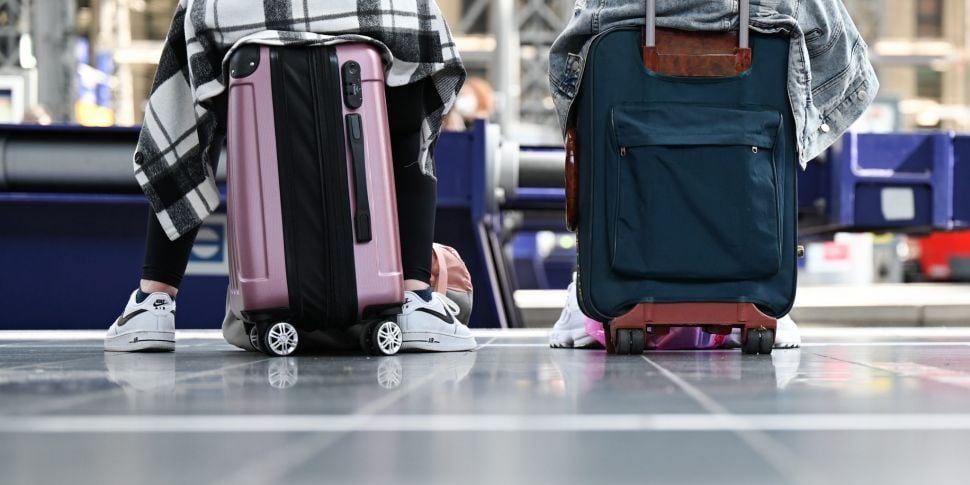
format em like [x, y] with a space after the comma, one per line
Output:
[37, 115]
[476, 101]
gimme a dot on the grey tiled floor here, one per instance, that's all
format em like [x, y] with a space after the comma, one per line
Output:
[851, 406]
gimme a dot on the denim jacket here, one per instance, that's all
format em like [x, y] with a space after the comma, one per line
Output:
[830, 79]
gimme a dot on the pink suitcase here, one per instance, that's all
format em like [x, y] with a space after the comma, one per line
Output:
[313, 236]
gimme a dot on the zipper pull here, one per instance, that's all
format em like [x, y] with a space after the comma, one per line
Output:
[754, 149]
[622, 151]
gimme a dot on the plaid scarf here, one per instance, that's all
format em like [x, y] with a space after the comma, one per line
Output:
[185, 118]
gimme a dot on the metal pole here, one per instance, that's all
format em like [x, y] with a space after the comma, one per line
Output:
[966, 66]
[744, 8]
[52, 23]
[650, 37]
[508, 62]
[126, 78]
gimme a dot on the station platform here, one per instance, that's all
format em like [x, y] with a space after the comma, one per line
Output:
[871, 405]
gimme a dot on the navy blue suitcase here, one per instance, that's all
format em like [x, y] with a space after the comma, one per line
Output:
[681, 166]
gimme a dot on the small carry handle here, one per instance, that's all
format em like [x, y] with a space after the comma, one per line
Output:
[650, 38]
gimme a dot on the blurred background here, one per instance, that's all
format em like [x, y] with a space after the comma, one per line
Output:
[91, 62]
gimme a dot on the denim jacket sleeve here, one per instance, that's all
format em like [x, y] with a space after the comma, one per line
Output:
[842, 81]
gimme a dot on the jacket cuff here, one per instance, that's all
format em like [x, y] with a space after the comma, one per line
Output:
[828, 128]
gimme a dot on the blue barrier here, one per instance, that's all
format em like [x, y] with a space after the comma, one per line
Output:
[465, 222]
[69, 260]
[526, 262]
[87, 248]
[885, 182]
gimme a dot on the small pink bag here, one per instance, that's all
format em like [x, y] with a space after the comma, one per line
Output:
[450, 277]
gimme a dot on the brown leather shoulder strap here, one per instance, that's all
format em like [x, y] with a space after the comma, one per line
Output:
[572, 181]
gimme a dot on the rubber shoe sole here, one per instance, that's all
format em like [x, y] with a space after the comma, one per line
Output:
[436, 342]
[575, 338]
[141, 341]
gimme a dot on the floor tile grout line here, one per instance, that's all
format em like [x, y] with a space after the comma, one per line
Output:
[433, 423]
[892, 373]
[861, 364]
[286, 459]
[486, 344]
[884, 344]
[782, 459]
[704, 400]
[50, 363]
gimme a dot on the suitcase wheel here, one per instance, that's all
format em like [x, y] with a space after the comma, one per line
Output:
[279, 339]
[639, 341]
[254, 339]
[385, 338]
[758, 341]
[630, 341]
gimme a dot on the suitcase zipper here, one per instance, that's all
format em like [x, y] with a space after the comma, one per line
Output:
[321, 160]
[286, 170]
[342, 282]
[318, 231]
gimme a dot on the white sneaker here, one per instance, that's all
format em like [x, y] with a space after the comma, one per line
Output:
[145, 326]
[432, 325]
[570, 330]
[787, 335]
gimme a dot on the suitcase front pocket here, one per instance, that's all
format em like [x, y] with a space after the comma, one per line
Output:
[697, 193]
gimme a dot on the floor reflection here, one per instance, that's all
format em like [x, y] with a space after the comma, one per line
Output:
[155, 375]
[578, 372]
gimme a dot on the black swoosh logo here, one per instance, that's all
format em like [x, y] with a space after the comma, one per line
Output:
[123, 320]
[444, 316]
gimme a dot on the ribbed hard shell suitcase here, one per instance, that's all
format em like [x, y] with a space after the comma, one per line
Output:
[681, 184]
[313, 236]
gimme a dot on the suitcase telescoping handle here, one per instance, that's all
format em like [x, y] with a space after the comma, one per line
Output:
[650, 39]
[696, 53]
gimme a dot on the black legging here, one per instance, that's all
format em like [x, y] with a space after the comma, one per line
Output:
[165, 260]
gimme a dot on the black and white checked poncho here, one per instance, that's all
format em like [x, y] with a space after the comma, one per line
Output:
[172, 161]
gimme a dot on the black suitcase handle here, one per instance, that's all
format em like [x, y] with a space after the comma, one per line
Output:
[355, 137]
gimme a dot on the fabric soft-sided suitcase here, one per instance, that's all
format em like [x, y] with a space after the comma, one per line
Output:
[681, 184]
[313, 237]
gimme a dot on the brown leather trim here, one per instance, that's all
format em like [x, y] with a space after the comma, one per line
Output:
[572, 181]
[696, 54]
